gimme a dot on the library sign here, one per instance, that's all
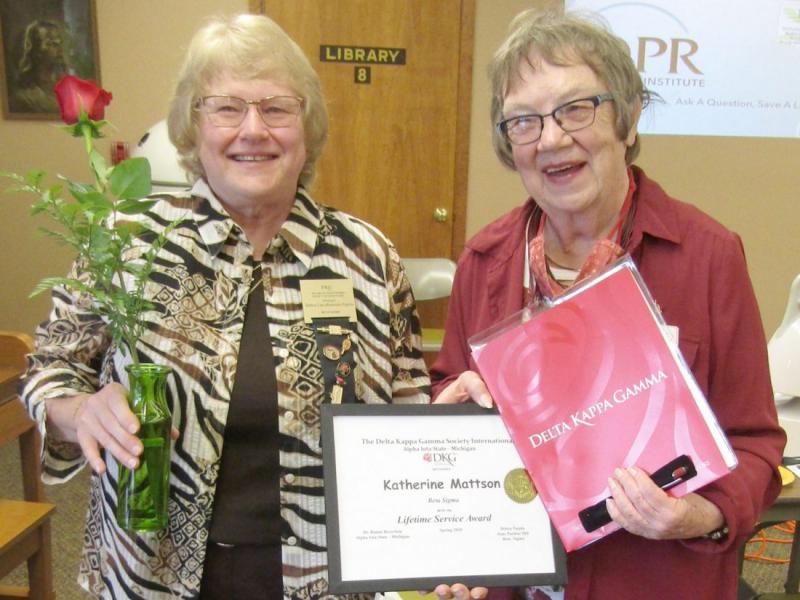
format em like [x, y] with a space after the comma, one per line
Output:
[363, 57]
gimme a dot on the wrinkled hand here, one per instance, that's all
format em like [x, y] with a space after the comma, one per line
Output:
[468, 386]
[642, 508]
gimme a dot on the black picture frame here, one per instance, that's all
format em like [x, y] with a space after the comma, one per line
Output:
[407, 416]
[40, 42]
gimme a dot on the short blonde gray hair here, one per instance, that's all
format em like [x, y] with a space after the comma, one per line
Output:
[567, 39]
[250, 47]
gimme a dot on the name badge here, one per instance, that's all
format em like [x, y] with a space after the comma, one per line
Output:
[327, 299]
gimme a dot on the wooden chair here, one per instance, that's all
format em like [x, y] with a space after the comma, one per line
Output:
[24, 524]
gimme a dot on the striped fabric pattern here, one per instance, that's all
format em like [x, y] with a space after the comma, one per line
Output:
[199, 290]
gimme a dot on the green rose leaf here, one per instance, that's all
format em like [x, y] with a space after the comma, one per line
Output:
[130, 179]
[134, 206]
[95, 204]
[129, 230]
[98, 164]
[34, 178]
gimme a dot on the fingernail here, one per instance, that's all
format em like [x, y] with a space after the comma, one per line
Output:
[618, 472]
[632, 471]
[132, 463]
[133, 428]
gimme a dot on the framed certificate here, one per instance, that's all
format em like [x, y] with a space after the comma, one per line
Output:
[419, 495]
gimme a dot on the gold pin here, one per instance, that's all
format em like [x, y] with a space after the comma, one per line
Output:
[343, 369]
[336, 394]
[334, 330]
[331, 352]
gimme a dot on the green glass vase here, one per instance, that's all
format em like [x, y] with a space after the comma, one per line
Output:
[143, 493]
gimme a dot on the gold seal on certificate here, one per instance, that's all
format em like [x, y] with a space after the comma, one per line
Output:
[519, 487]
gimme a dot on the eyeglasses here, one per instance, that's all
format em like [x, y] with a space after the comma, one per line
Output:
[570, 116]
[230, 111]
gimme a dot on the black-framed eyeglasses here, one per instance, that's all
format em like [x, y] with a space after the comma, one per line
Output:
[230, 111]
[570, 116]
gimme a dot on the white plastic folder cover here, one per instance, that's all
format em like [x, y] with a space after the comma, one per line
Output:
[592, 382]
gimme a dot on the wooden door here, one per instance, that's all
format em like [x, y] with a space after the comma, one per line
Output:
[397, 77]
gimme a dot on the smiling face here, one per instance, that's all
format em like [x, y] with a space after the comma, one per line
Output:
[582, 173]
[251, 167]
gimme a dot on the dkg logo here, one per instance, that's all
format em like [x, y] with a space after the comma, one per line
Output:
[440, 457]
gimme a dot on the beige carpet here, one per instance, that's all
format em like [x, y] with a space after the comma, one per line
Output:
[70, 500]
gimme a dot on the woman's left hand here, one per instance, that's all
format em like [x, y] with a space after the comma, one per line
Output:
[467, 387]
[639, 506]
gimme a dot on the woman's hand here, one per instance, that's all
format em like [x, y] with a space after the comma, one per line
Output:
[102, 419]
[642, 508]
[458, 591]
[468, 386]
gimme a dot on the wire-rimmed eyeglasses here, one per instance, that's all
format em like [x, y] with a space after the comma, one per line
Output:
[570, 116]
[230, 111]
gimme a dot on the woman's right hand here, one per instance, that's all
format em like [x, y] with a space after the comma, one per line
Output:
[95, 421]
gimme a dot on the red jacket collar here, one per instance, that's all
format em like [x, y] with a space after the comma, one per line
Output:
[654, 217]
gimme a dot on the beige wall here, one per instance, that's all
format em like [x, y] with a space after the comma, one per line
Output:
[752, 186]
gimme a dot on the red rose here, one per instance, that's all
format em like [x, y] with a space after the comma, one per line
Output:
[74, 93]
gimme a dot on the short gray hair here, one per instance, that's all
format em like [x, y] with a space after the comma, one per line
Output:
[567, 39]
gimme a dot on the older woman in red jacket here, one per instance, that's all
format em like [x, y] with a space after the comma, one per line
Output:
[566, 102]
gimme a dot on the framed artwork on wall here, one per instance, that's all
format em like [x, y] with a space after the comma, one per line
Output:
[40, 42]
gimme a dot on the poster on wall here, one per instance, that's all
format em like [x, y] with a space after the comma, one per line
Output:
[722, 67]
